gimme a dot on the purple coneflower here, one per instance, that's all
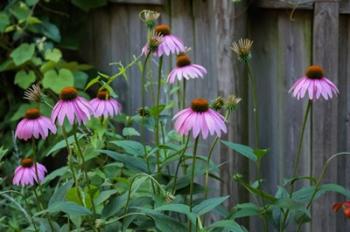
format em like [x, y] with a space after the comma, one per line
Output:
[315, 83]
[170, 44]
[200, 119]
[26, 173]
[71, 106]
[104, 105]
[33, 125]
[184, 69]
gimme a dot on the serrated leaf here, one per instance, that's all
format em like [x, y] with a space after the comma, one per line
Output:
[51, 31]
[24, 79]
[23, 53]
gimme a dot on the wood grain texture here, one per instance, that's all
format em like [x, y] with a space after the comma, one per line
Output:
[343, 114]
[325, 136]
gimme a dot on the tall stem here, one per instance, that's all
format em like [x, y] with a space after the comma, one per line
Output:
[38, 181]
[194, 157]
[84, 170]
[254, 100]
[183, 93]
[157, 137]
[301, 138]
[297, 157]
[179, 163]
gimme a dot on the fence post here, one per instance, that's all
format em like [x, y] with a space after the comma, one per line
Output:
[324, 142]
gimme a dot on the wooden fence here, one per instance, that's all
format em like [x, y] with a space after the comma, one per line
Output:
[288, 36]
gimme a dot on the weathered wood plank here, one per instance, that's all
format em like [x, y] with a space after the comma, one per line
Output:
[325, 53]
[144, 2]
[343, 113]
[344, 7]
[282, 50]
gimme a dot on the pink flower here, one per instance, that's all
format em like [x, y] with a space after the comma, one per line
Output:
[26, 173]
[200, 119]
[185, 69]
[169, 44]
[315, 83]
[71, 106]
[104, 105]
[33, 125]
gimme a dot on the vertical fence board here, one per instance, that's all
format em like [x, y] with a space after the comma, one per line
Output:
[325, 53]
[343, 113]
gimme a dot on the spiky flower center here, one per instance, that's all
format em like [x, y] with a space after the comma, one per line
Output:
[103, 94]
[68, 93]
[162, 29]
[200, 105]
[182, 60]
[314, 72]
[27, 162]
[32, 113]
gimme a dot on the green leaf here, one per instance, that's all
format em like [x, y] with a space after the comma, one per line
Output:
[305, 194]
[87, 5]
[209, 204]
[130, 131]
[57, 82]
[260, 153]
[53, 55]
[21, 11]
[69, 208]
[129, 161]
[130, 147]
[24, 79]
[31, 2]
[179, 208]
[62, 144]
[4, 21]
[229, 225]
[241, 149]
[58, 172]
[51, 31]
[245, 210]
[80, 79]
[104, 195]
[23, 53]
[60, 193]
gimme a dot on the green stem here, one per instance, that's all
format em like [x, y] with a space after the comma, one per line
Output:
[194, 157]
[29, 212]
[84, 170]
[318, 183]
[254, 100]
[183, 93]
[70, 165]
[301, 138]
[179, 163]
[157, 137]
[34, 148]
[297, 159]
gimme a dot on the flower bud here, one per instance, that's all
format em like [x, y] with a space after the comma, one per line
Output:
[218, 103]
[149, 17]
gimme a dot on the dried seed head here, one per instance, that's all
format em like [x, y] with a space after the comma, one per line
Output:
[218, 103]
[33, 94]
[231, 102]
[143, 112]
[154, 42]
[149, 17]
[243, 49]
